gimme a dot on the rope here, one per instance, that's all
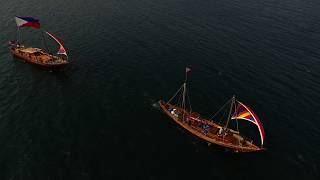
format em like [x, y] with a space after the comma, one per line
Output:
[180, 100]
[188, 97]
[175, 94]
[222, 117]
[220, 109]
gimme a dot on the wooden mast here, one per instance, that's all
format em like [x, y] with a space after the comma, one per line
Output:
[183, 100]
[18, 36]
[229, 115]
[184, 94]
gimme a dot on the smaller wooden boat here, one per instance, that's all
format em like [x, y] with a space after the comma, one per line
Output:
[210, 131]
[37, 56]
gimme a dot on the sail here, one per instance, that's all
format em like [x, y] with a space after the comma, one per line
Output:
[27, 22]
[62, 49]
[245, 113]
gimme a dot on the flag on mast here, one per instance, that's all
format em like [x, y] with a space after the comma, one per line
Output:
[27, 22]
[187, 69]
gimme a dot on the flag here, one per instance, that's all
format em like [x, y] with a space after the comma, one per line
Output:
[27, 22]
[187, 69]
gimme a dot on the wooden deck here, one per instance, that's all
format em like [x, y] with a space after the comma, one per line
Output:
[195, 125]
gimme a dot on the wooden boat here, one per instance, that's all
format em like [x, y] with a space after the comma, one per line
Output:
[210, 131]
[37, 56]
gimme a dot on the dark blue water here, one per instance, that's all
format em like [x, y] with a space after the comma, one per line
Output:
[99, 120]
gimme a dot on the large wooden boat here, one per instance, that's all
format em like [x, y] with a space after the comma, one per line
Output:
[210, 131]
[37, 56]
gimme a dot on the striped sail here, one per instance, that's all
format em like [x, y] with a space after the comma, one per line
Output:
[245, 113]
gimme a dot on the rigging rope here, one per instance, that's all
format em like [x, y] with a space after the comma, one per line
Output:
[221, 109]
[180, 100]
[188, 97]
[175, 94]
[222, 117]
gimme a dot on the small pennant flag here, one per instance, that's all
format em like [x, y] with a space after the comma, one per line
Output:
[187, 69]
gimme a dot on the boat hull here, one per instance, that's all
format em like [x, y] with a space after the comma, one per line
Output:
[229, 141]
[40, 59]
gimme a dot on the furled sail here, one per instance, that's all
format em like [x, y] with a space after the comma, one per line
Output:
[245, 113]
[62, 49]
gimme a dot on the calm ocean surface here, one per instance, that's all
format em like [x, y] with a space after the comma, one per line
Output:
[99, 119]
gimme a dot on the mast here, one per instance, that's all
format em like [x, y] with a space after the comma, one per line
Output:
[184, 96]
[231, 108]
[18, 35]
[184, 92]
[187, 70]
[184, 99]
[25, 22]
[185, 88]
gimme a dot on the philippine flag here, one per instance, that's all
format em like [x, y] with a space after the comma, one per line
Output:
[27, 22]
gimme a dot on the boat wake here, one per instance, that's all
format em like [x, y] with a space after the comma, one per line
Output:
[156, 106]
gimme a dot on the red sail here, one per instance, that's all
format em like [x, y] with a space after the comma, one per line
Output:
[245, 113]
[62, 49]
